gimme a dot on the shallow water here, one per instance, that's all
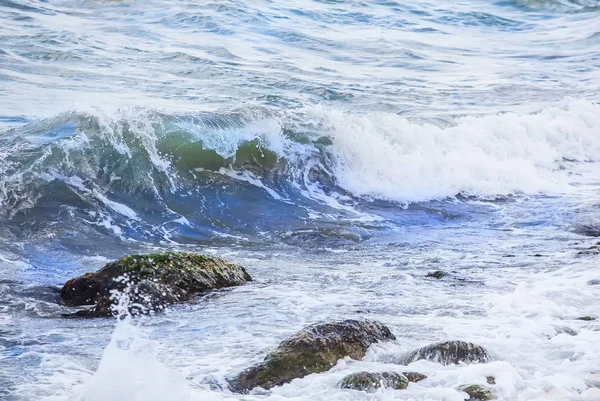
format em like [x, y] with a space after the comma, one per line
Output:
[340, 151]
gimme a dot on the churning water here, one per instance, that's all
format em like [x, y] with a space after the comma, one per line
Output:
[340, 151]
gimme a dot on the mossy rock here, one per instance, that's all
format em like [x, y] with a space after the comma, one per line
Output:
[315, 349]
[151, 281]
[478, 393]
[366, 381]
[414, 377]
[592, 250]
[449, 352]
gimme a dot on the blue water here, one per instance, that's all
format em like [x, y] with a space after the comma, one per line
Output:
[340, 150]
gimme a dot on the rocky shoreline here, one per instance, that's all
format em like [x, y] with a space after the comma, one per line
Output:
[146, 284]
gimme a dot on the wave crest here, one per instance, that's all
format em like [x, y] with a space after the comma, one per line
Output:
[246, 167]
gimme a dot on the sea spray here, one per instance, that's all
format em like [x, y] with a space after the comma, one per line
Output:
[129, 368]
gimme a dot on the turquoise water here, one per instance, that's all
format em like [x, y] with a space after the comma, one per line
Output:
[340, 150]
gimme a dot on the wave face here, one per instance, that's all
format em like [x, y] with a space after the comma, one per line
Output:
[136, 171]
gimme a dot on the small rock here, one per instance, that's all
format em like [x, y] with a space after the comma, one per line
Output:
[414, 377]
[586, 318]
[565, 330]
[589, 230]
[320, 238]
[593, 380]
[315, 349]
[478, 393]
[491, 380]
[593, 282]
[437, 274]
[365, 381]
[449, 352]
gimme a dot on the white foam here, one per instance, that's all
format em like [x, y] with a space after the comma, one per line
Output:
[116, 206]
[387, 156]
[129, 370]
[250, 178]
[226, 140]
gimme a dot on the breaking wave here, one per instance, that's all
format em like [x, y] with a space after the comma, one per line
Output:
[119, 169]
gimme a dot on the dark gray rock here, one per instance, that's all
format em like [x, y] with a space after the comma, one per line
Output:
[565, 330]
[438, 274]
[478, 393]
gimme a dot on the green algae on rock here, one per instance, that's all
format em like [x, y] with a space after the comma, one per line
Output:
[478, 393]
[151, 281]
[314, 349]
[414, 377]
[449, 352]
[366, 381]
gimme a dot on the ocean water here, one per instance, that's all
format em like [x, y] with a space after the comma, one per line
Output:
[340, 151]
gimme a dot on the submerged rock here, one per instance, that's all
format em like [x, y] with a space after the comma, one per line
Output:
[478, 393]
[438, 274]
[593, 250]
[565, 330]
[453, 277]
[314, 349]
[589, 230]
[320, 238]
[365, 381]
[449, 352]
[151, 281]
[593, 380]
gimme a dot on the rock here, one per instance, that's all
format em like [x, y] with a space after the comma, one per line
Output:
[449, 352]
[593, 380]
[365, 381]
[320, 238]
[452, 277]
[565, 330]
[593, 250]
[314, 349]
[478, 393]
[414, 377]
[593, 282]
[151, 281]
[437, 274]
[589, 230]
[490, 380]
[586, 318]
